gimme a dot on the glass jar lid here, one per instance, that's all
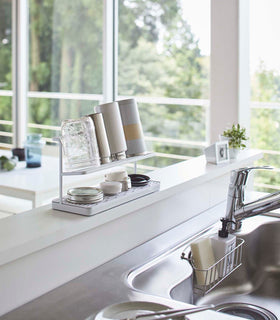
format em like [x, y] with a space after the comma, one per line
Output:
[83, 195]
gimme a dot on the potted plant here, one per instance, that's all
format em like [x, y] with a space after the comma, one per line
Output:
[236, 137]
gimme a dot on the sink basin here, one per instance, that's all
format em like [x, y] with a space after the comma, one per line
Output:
[255, 282]
[164, 274]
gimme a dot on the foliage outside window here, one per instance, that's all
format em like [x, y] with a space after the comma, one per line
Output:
[265, 91]
[65, 56]
[159, 56]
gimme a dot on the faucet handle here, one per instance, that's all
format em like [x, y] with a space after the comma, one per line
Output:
[239, 176]
[248, 169]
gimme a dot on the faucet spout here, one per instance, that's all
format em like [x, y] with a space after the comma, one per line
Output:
[262, 205]
[237, 210]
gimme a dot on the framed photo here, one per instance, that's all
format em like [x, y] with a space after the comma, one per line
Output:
[217, 153]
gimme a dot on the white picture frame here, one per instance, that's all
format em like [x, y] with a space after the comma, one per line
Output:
[217, 153]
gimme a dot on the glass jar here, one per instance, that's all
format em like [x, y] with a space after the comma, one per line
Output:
[79, 143]
[33, 150]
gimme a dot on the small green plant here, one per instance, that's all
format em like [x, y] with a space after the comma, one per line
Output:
[236, 136]
[7, 164]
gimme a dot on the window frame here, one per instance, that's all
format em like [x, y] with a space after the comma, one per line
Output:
[19, 70]
[220, 111]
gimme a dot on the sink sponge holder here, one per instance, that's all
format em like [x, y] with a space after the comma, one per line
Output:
[217, 272]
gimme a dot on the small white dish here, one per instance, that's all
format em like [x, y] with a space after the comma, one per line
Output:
[126, 183]
[111, 187]
[116, 175]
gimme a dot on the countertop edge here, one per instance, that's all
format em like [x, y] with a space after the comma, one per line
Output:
[43, 227]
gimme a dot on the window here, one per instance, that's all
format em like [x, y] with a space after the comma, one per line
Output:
[265, 89]
[65, 61]
[163, 60]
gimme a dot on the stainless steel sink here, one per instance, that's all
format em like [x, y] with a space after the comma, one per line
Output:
[256, 282]
[161, 275]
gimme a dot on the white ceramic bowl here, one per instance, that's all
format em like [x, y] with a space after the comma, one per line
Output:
[111, 187]
[116, 175]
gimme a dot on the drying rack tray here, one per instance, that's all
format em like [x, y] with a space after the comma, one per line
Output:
[108, 202]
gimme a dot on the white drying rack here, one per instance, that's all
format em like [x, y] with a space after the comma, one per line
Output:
[61, 204]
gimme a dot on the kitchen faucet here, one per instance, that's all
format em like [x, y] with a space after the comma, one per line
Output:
[236, 209]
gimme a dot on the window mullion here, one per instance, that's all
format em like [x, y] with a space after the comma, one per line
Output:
[108, 14]
[20, 69]
[115, 48]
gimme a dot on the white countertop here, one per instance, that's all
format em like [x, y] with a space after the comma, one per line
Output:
[105, 285]
[31, 231]
[40, 184]
[33, 180]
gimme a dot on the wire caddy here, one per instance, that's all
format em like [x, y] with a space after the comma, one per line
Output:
[206, 280]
